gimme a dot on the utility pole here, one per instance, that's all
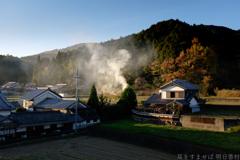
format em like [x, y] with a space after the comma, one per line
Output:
[76, 101]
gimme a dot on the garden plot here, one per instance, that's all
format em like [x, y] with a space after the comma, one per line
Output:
[83, 148]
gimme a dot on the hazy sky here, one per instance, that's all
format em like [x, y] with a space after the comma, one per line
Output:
[29, 27]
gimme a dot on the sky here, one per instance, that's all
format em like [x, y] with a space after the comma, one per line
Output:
[29, 27]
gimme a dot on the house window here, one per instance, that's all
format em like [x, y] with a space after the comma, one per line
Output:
[172, 94]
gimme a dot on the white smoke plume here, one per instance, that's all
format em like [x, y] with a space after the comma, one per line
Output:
[105, 67]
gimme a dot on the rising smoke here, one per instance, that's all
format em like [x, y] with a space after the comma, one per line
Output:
[104, 68]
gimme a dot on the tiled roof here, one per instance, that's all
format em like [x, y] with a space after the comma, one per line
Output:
[156, 99]
[3, 118]
[85, 111]
[55, 103]
[189, 97]
[182, 101]
[10, 84]
[15, 104]
[4, 103]
[39, 117]
[182, 83]
[71, 117]
[33, 94]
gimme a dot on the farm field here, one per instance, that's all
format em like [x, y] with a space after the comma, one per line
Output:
[225, 141]
[83, 148]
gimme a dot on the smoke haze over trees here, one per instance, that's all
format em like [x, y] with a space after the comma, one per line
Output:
[207, 56]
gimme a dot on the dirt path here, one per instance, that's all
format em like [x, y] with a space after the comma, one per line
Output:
[83, 148]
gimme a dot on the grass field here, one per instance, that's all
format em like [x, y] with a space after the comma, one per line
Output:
[226, 141]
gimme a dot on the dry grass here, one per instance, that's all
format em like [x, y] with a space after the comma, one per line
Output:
[227, 93]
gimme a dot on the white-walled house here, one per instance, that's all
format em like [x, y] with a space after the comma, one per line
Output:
[178, 91]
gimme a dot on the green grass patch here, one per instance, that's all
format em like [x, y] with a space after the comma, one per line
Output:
[226, 141]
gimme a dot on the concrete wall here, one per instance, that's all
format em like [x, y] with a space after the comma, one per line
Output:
[217, 126]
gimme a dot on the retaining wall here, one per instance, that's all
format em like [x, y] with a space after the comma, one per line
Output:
[213, 124]
[217, 125]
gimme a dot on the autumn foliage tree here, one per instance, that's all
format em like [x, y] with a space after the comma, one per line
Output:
[196, 65]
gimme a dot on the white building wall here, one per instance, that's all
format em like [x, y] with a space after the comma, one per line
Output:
[194, 105]
[5, 113]
[193, 102]
[27, 103]
[21, 129]
[46, 126]
[164, 95]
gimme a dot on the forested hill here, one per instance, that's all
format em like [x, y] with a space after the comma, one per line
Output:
[206, 55]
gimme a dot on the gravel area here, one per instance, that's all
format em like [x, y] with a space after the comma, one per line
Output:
[84, 148]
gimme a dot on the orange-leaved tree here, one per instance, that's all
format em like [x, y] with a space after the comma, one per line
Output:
[196, 65]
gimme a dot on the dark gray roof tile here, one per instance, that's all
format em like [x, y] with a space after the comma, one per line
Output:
[33, 94]
[156, 99]
[55, 103]
[4, 103]
[183, 84]
[38, 117]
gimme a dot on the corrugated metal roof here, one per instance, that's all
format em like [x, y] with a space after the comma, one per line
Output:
[182, 83]
[55, 103]
[33, 94]
[4, 103]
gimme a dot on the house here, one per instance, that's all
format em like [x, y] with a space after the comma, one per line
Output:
[7, 128]
[12, 86]
[177, 93]
[30, 86]
[5, 106]
[39, 123]
[48, 100]
[88, 114]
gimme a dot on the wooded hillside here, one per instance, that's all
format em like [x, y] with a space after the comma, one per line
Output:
[208, 56]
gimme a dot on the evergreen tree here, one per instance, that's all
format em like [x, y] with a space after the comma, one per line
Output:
[93, 98]
[128, 99]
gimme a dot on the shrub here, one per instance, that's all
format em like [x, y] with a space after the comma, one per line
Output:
[162, 110]
[20, 109]
[128, 98]
[103, 100]
[234, 129]
[112, 112]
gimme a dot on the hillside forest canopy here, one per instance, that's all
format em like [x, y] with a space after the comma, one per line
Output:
[208, 56]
